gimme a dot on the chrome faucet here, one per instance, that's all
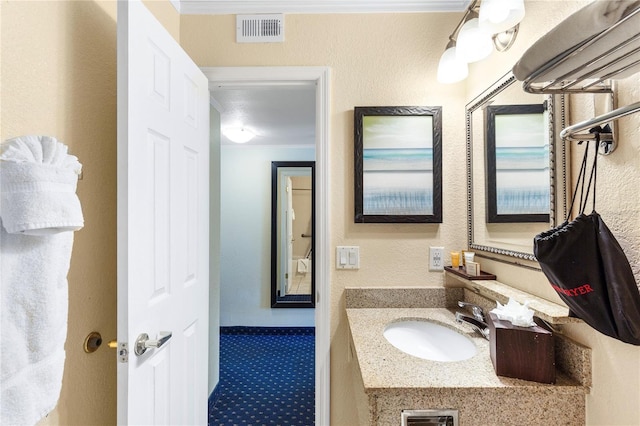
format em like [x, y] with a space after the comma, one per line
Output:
[477, 321]
[476, 310]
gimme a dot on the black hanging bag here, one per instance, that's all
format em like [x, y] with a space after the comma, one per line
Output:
[589, 270]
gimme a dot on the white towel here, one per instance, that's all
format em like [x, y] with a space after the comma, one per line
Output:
[34, 267]
[303, 266]
[577, 29]
[34, 324]
[37, 186]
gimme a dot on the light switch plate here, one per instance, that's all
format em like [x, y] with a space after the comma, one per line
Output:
[436, 258]
[347, 257]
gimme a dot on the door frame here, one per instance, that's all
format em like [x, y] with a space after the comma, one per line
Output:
[320, 77]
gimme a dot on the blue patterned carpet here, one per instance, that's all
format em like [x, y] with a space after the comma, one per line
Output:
[267, 377]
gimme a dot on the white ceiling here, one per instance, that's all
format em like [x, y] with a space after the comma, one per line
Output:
[282, 114]
[224, 7]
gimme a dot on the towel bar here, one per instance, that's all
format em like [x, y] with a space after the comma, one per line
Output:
[607, 142]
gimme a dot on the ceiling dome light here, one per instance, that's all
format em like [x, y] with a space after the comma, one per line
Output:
[473, 43]
[238, 134]
[450, 68]
[497, 16]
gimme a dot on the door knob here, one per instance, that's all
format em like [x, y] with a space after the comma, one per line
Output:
[143, 343]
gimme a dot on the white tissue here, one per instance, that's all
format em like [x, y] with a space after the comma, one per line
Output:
[519, 315]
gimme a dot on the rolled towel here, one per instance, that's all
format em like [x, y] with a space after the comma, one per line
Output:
[39, 150]
[37, 186]
[38, 203]
[574, 31]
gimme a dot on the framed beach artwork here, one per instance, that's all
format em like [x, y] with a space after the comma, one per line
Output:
[517, 159]
[398, 164]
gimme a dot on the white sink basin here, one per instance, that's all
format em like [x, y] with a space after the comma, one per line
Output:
[428, 340]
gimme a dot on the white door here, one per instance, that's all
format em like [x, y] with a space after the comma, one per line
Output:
[163, 231]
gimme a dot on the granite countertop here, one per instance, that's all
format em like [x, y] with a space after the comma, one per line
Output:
[382, 366]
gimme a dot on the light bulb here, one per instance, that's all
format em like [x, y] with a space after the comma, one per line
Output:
[497, 16]
[473, 43]
[450, 68]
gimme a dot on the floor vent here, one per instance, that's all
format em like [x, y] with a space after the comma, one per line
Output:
[260, 28]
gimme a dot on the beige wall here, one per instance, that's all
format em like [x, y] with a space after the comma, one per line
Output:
[59, 78]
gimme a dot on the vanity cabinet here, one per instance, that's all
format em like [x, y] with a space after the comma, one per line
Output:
[393, 381]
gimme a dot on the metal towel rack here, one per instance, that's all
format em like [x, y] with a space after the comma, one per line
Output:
[607, 141]
[592, 76]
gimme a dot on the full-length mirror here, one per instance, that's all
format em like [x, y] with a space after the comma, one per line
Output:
[515, 169]
[292, 234]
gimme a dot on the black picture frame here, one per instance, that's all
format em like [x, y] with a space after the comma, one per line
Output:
[517, 148]
[398, 164]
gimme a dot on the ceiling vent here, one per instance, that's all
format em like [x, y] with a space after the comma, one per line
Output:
[260, 28]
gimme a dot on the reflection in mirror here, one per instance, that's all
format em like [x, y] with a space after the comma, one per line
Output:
[542, 164]
[517, 159]
[292, 234]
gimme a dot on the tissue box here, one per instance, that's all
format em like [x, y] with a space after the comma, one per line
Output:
[522, 352]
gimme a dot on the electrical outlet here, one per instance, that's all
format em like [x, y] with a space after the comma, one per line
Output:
[436, 258]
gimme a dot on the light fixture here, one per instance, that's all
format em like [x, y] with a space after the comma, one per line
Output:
[238, 134]
[451, 69]
[474, 41]
[494, 23]
[500, 15]
[503, 41]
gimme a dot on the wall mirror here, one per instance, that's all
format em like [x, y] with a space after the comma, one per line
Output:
[292, 234]
[516, 179]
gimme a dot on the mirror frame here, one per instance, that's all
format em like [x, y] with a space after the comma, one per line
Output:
[275, 302]
[557, 175]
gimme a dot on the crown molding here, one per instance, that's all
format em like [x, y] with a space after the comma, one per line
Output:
[233, 7]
